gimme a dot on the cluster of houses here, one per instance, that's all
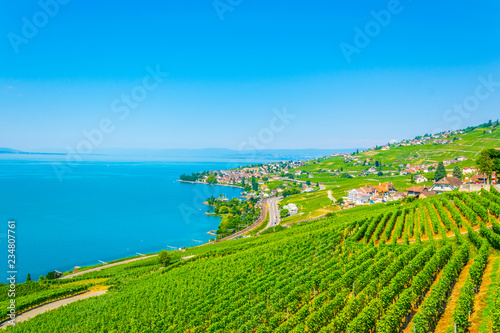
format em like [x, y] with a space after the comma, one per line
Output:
[439, 138]
[386, 192]
[268, 171]
[444, 185]
[236, 176]
[425, 168]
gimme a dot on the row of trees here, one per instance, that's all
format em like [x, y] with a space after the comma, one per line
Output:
[193, 177]
[441, 172]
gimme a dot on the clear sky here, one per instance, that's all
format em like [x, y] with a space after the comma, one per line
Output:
[348, 73]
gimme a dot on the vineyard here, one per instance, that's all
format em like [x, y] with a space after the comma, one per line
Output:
[427, 266]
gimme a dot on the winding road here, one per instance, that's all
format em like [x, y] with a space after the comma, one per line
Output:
[52, 306]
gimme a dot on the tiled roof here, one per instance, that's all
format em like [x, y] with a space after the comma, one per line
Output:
[452, 181]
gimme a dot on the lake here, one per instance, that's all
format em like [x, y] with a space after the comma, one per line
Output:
[108, 207]
[102, 211]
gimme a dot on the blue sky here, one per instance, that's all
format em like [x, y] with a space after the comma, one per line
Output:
[233, 64]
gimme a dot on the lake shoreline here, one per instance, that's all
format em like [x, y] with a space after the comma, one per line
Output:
[216, 184]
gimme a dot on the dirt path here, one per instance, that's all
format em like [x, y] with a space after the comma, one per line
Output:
[447, 317]
[409, 328]
[96, 269]
[52, 306]
[481, 309]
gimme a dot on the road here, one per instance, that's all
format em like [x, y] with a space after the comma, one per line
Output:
[106, 266]
[52, 305]
[274, 213]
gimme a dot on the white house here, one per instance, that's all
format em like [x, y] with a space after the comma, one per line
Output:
[420, 179]
[469, 171]
[292, 208]
[446, 184]
[358, 196]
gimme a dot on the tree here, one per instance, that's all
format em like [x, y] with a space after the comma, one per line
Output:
[212, 179]
[308, 183]
[412, 179]
[164, 258]
[255, 184]
[284, 213]
[28, 279]
[489, 161]
[457, 172]
[440, 172]
[380, 174]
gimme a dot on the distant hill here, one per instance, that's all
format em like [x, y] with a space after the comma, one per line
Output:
[292, 154]
[10, 151]
[14, 151]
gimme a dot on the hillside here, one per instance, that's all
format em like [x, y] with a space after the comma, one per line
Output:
[468, 144]
[415, 267]
[10, 151]
[332, 171]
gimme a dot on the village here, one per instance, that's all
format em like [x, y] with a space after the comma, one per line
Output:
[386, 192]
[256, 178]
[315, 187]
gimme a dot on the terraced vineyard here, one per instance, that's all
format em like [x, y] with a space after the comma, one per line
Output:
[465, 216]
[418, 267]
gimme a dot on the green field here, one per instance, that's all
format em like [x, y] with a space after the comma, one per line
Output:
[417, 266]
[384, 268]
[310, 205]
[470, 146]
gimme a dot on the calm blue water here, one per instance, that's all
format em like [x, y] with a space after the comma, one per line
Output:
[101, 211]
